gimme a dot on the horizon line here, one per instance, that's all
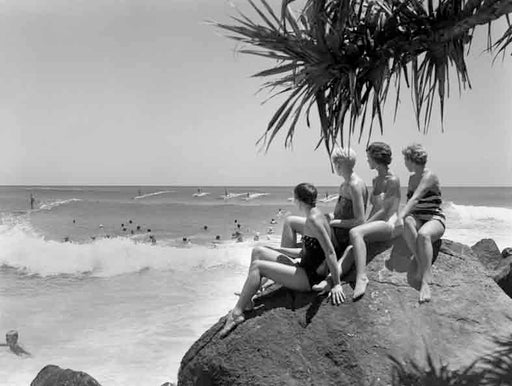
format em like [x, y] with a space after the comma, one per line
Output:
[219, 186]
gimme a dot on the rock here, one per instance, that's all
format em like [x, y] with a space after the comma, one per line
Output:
[300, 339]
[52, 375]
[499, 268]
[506, 252]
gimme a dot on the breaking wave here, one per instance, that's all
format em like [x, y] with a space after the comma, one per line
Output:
[28, 253]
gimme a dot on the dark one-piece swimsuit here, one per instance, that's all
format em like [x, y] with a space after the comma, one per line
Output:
[344, 210]
[311, 257]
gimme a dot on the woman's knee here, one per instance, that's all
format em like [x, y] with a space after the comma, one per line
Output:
[410, 221]
[295, 223]
[257, 253]
[424, 237]
[255, 265]
[355, 235]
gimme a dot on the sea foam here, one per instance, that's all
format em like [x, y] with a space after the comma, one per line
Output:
[49, 205]
[153, 194]
[468, 224]
[28, 253]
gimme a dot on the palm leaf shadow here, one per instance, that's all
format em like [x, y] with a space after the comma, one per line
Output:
[494, 369]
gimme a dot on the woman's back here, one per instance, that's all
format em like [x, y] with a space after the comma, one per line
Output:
[386, 191]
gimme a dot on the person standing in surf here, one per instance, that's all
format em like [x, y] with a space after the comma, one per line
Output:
[422, 218]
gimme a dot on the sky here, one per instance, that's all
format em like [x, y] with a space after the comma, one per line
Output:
[146, 92]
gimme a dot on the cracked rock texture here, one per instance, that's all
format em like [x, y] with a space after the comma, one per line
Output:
[300, 339]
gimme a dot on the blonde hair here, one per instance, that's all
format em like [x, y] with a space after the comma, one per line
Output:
[415, 153]
[344, 155]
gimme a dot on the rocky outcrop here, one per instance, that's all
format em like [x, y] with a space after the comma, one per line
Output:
[497, 264]
[300, 339]
[52, 375]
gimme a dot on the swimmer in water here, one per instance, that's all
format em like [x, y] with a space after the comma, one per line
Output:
[11, 341]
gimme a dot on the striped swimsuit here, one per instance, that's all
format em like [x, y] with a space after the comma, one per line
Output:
[428, 206]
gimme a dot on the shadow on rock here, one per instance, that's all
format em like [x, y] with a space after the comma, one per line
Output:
[494, 369]
[277, 296]
[401, 260]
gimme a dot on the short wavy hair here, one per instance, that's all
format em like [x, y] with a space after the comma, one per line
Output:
[380, 153]
[306, 193]
[344, 155]
[415, 153]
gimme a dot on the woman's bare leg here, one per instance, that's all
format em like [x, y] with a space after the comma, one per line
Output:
[410, 235]
[292, 225]
[372, 231]
[430, 231]
[284, 256]
[291, 277]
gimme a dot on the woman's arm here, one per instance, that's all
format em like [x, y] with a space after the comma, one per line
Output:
[391, 198]
[356, 195]
[429, 179]
[324, 239]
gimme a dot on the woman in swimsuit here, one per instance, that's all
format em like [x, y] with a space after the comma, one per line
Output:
[353, 197]
[422, 217]
[317, 247]
[380, 225]
[349, 210]
[348, 213]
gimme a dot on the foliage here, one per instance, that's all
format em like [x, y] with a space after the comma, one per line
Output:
[342, 56]
[494, 369]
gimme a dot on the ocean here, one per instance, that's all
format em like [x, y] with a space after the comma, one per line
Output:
[120, 281]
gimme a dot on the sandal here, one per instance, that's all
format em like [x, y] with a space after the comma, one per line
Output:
[230, 323]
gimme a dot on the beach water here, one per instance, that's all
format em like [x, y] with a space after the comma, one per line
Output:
[87, 288]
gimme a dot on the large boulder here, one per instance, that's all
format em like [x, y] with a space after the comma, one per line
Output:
[497, 264]
[52, 375]
[300, 339]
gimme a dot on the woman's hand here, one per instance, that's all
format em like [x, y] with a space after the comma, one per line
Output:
[337, 296]
[329, 216]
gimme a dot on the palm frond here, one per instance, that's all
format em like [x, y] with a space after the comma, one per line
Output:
[343, 55]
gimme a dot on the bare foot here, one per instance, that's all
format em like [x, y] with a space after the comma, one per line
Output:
[361, 283]
[424, 293]
[231, 322]
[324, 286]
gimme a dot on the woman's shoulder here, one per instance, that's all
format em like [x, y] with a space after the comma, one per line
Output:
[357, 184]
[316, 217]
[430, 178]
[392, 180]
